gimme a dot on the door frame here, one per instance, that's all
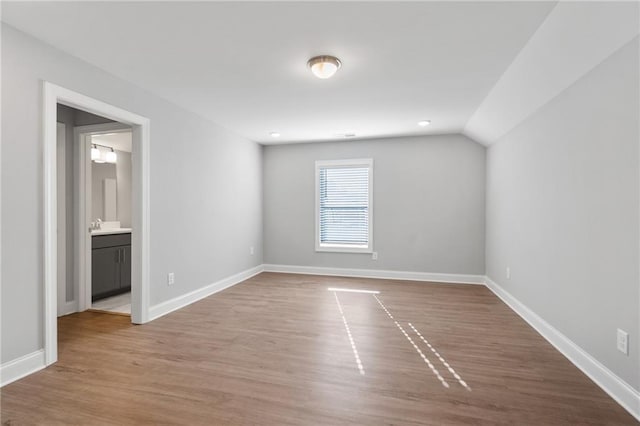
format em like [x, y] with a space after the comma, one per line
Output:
[140, 182]
[82, 206]
[64, 307]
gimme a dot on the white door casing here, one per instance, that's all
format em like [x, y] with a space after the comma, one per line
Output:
[52, 95]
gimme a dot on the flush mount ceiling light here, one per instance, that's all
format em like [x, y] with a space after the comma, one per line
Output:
[324, 66]
[424, 123]
[274, 134]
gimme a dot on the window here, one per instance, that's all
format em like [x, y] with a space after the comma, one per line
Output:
[344, 205]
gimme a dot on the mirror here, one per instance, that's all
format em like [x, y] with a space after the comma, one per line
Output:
[111, 177]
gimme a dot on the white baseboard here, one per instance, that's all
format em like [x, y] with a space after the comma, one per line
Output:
[164, 308]
[377, 273]
[68, 308]
[21, 367]
[617, 388]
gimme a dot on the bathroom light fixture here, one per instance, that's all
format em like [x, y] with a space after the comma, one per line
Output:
[95, 153]
[424, 123]
[274, 134]
[111, 156]
[324, 66]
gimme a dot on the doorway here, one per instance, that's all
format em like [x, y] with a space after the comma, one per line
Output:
[139, 127]
[105, 190]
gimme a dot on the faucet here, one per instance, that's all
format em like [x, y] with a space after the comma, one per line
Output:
[96, 225]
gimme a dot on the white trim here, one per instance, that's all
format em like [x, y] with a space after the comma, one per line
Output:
[52, 95]
[50, 218]
[61, 225]
[83, 199]
[354, 162]
[68, 308]
[335, 248]
[377, 273]
[618, 389]
[96, 129]
[21, 367]
[329, 248]
[156, 311]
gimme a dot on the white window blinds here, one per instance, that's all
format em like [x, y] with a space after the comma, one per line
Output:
[344, 205]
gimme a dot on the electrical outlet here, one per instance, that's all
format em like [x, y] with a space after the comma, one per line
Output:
[374, 255]
[508, 273]
[251, 251]
[623, 341]
[171, 278]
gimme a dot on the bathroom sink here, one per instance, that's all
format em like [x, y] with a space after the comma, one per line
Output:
[110, 231]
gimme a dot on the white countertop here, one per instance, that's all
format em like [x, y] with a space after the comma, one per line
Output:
[110, 231]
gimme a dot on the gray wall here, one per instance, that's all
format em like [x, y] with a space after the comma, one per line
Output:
[66, 116]
[75, 117]
[206, 192]
[562, 212]
[428, 204]
[83, 118]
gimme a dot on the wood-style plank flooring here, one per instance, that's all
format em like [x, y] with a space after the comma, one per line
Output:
[275, 350]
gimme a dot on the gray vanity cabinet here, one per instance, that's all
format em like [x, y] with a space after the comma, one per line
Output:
[110, 265]
[125, 268]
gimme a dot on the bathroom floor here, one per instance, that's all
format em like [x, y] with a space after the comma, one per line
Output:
[120, 303]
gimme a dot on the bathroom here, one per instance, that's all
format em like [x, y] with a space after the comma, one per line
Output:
[110, 221]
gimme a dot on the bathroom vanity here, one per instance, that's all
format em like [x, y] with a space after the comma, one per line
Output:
[110, 262]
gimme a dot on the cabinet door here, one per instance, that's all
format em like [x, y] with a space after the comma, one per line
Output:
[125, 267]
[105, 271]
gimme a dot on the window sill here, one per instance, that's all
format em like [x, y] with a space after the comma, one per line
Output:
[344, 249]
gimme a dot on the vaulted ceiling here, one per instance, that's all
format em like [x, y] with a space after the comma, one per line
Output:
[476, 67]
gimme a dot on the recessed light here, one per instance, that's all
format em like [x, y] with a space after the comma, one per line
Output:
[346, 135]
[424, 123]
[275, 134]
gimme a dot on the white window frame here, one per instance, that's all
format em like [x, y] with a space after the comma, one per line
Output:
[342, 248]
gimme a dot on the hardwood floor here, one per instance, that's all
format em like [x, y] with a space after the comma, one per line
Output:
[276, 350]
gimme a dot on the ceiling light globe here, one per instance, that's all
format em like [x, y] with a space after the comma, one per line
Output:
[324, 66]
[424, 123]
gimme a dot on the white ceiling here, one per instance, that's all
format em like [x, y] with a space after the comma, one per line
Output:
[575, 38]
[120, 141]
[243, 65]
